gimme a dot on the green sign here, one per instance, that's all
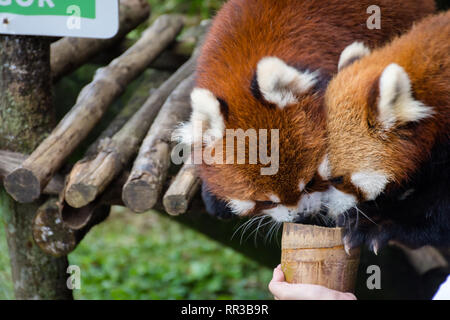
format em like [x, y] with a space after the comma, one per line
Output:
[73, 18]
[48, 7]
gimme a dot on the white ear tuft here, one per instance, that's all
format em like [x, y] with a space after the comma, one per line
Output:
[280, 83]
[371, 183]
[351, 53]
[396, 103]
[206, 123]
[324, 169]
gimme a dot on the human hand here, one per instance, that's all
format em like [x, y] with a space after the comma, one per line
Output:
[282, 290]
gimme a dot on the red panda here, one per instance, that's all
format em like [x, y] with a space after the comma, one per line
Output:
[388, 125]
[265, 65]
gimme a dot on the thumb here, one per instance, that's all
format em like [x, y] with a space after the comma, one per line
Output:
[278, 285]
[278, 275]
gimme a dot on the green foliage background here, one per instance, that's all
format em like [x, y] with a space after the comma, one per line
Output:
[151, 257]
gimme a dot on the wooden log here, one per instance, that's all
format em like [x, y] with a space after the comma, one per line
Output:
[316, 255]
[90, 176]
[143, 188]
[183, 188]
[172, 58]
[9, 161]
[57, 238]
[140, 95]
[56, 185]
[150, 80]
[25, 183]
[175, 55]
[67, 54]
[82, 218]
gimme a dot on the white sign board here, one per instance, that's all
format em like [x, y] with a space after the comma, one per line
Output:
[71, 18]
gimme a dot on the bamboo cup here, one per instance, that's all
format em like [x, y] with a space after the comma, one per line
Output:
[316, 255]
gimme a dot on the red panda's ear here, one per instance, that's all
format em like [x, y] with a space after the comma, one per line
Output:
[351, 53]
[396, 104]
[206, 123]
[280, 83]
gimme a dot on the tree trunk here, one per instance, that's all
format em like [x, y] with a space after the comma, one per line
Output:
[26, 116]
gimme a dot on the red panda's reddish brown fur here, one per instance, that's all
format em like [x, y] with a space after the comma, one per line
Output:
[308, 35]
[388, 122]
[424, 54]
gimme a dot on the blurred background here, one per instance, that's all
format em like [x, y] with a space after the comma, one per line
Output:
[151, 256]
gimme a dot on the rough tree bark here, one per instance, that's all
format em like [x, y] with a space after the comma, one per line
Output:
[142, 190]
[10, 161]
[57, 238]
[183, 188]
[26, 116]
[91, 175]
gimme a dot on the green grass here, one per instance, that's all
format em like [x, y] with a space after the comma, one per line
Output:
[149, 256]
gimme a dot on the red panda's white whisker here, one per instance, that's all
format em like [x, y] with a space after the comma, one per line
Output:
[258, 219]
[269, 234]
[246, 225]
[258, 227]
[240, 227]
[365, 215]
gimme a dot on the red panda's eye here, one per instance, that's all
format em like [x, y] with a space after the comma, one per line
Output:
[267, 203]
[310, 184]
[224, 108]
[337, 180]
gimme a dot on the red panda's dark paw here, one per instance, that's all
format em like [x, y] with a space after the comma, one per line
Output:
[374, 239]
[352, 235]
[377, 240]
[362, 231]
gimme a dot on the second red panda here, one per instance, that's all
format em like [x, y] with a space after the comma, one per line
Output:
[265, 65]
[388, 123]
